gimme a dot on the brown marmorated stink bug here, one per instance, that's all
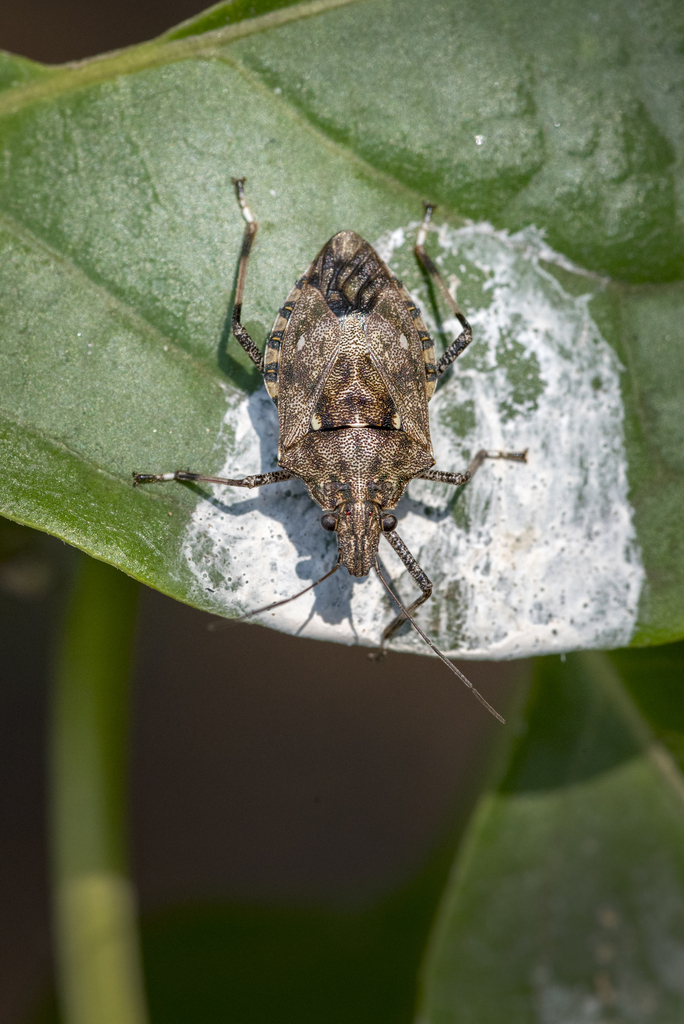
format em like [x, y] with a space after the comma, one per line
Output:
[351, 368]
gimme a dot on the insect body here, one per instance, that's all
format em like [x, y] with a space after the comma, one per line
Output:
[351, 368]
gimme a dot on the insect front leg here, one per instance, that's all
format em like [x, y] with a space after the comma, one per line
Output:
[250, 231]
[466, 336]
[421, 579]
[184, 474]
[462, 478]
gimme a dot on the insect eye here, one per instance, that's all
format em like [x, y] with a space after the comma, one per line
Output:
[328, 521]
[388, 523]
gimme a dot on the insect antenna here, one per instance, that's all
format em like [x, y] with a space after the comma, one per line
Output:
[428, 641]
[224, 623]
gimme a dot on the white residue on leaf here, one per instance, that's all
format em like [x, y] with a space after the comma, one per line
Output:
[526, 559]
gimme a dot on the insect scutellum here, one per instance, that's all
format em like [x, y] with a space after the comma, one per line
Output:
[351, 368]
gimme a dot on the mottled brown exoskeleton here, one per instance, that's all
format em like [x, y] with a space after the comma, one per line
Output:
[351, 367]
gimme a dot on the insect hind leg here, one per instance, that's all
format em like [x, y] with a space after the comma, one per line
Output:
[421, 579]
[407, 558]
[466, 336]
[250, 231]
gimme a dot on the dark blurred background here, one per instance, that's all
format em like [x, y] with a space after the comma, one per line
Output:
[55, 31]
[287, 796]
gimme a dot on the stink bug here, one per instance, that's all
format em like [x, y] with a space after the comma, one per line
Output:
[351, 368]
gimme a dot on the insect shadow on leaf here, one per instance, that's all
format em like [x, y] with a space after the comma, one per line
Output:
[351, 368]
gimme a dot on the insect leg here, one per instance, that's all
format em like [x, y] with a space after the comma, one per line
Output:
[466, 336]
[433, 647]
[250, 231]
[419, 576]
[184, 474]
[462, 478]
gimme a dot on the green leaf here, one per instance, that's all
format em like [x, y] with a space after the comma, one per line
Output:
[15, 71]
[558, 133]
[567, 900]
[654, 681]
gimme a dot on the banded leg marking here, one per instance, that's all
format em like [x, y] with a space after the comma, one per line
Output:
[184, 474]
[421, 579]
[248, 237]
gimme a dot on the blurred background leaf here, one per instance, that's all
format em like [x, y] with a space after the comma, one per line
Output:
[566, 901]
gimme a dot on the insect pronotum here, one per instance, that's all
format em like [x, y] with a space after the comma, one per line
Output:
[351, 368]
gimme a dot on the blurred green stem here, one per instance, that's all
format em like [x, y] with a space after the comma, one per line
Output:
[97, 950]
